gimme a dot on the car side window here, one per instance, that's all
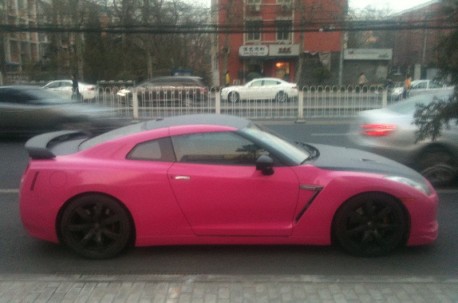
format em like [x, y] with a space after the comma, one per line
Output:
[225, 148]
[256, 84]
[53, 85]
[420, 85]
[155, 150]
[270, 83]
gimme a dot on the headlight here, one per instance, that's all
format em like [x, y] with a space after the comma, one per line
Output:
[421, 186]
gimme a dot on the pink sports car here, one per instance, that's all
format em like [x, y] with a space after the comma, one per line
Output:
[216, 179]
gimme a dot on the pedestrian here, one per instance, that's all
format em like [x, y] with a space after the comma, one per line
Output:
[75, 88]
[407, 86]
[362, 80]
[227, 80]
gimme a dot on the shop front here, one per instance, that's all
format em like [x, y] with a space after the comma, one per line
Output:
[273, 60]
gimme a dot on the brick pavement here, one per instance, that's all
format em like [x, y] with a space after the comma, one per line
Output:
[224, 289]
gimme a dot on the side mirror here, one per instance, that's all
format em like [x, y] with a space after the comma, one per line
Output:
[265, 164]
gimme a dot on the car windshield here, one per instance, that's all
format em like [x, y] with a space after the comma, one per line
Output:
[295, 153]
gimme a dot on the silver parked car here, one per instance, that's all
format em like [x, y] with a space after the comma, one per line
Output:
[390, 132]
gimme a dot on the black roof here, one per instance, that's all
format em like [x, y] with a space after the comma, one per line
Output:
[194, 119]
[198, 119]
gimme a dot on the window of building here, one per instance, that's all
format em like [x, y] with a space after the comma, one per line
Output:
[253, 29]
[284, 28]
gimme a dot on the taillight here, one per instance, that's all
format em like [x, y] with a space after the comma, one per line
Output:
[91, 88]
[377, 130]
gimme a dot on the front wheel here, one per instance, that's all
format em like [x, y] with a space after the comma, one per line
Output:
[370, 225]
[95, 227]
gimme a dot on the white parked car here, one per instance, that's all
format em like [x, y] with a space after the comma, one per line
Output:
[427, 86]
[64, 89]
[261, 89]
[419, 87]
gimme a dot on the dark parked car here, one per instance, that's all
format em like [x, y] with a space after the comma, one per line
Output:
[32, 110]
[176, 90]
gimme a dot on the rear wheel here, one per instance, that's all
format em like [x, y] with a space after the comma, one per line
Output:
[438, 166]
[281, 97]
[95, 226]
[371, 224]
[233, 97]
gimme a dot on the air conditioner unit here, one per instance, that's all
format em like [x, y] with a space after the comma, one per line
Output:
[256, 7]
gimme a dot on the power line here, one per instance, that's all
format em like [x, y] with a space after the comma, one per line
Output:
[266, 27]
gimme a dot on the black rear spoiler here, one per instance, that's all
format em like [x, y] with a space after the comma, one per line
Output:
[39, 147]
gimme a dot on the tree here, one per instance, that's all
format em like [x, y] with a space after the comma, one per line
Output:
[432, 118]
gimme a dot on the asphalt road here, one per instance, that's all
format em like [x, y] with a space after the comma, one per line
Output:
[21, 254]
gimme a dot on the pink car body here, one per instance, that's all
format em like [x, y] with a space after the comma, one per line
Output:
[176, 203]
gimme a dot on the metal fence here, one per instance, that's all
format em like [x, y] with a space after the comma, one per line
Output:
[313, 102]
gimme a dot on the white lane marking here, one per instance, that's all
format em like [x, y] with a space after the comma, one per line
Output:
[9, 190]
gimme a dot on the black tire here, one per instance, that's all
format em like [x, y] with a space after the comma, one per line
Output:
[281, 97]
[95, 226]
[370, 225]
[233, 97]
[438, 166]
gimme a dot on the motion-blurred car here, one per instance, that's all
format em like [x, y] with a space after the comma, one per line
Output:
[390, 132]
[261, 89]
[64, 88]
[31, 110]
[168, 90]
[217, 179]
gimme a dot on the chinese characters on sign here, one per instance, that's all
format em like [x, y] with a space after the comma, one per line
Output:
[253, 50]
[273, 50]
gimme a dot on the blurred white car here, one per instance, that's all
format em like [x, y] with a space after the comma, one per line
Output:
[261, 89]
[64, 89]
[390, 132]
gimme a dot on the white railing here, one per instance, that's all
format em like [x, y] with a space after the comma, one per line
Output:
[313, 102]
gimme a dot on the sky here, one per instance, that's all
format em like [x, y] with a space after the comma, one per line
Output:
[393, 5]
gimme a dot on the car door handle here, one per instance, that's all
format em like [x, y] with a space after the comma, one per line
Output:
[182, 178]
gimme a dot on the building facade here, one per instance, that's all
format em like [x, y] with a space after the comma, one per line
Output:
[19, 50]
[415, 50]
[274, 38]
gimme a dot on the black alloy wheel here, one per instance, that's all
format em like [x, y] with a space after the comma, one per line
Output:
[95, 227]
[370, 225]
[233, 97]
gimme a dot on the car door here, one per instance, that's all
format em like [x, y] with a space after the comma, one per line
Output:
[254, 91]
[221, 193]
[271, 88]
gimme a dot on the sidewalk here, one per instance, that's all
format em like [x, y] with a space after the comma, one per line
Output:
[225, 289]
